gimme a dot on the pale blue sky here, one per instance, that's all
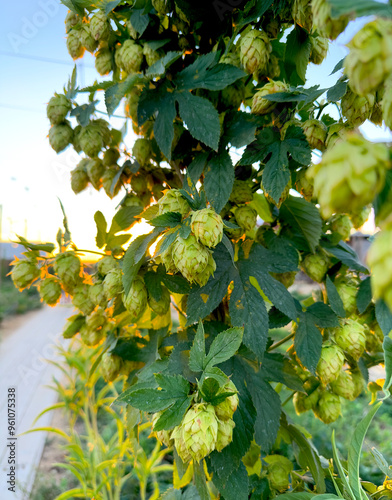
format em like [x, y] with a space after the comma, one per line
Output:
[35, 63]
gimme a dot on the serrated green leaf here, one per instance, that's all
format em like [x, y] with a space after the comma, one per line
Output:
[364, 295]
[169, 219]
[347, 255]
[83, 113]
[384, 317]
[322, 315]
[239, 128]
[336, 92]
[44, 247]
[219, 179]
[360, 8]
[116, 92]
[159, 67]
[209, 389]
[114, 242]
[173, 416]
[307, 342]
[297, 55]
[260, 204]
[176, 284]
[139, 20]
[124, 219]
[101, 223]
[277, 368]
[236, 485]
[153, 284]
[164, 125]
[196, 167]
[223, 347]
[334, 299]
[387, 347]
[198, 350]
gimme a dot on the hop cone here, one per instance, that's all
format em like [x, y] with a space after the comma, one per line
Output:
[351, 337]
[131, 57]
[347, 289]
[261, 106]
[163, 436]
[179, 443]
[91, 337]
[341, 225]
[139, 184]
[336, 133]
[369, 61]
[57, 109]
[74, 45]
[325, 24]
[347, 385]
[50, 291]
[104, 61]
[107, 181]
[152, 56]
[67, 267]
[163, 7]
[278, 470]
[225, 410]
[106, 264]
[241, 193]
[330, 363]
[99, 26]
[207, 226]
[200, 430]
[86, 39]
[387, 105]
[302, 13]
[380, 261]
[73, 325]
[167, 260]
[71, 20]
[142, 151]
[173, 201]
[97, 319]
[79, 177]
[97, 295]
[23, 273]
[246, 217]
[255, 49]
[349, 175]
[328, 407]
[315, 132]
[316, 266]
[232, 58]
[81, 300]
[190, 257]
[60, 136]
[304, 402]
[95, 170]
[358, 219]
[318, 48]
[202, 277]
[162, 305]
[355, 108]
[136, 300]
[110, 366]
[225, 434]
[287, 279]
[112, 284]
[304, 185]
[92, 139]
[110, 157]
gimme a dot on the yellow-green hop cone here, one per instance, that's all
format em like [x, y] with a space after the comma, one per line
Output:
[50, 291]
[57, 109]
[316, 266]
[90, 337]
[341, 225]
[379, 259]
[110, 366]
[139, 184]
[73, 325]
[23, 273]
[262, 106]
[86, 39]
[99, 26]
[225, 410]
[79, 177]
[241, 193]
[304, 402]
[203, 276]
[162, 436]
[104, 61]
[318, 48]
[106, 264]
[190, 257]
[71, 20]
[81, 299]
[225, 434]
[67, 267]
[351, 337]
[167, 259]
[142, 151]
[112, 284]
[136, 300]
[152, 56]
[60, 136]
[369, 62]
[200, 430]
[232, 58]
[207, 226]
[278, 470]
[356, 108]
[97, 295]
[179, 443]
[347, 386]
[328, 408]
[316, 133]
[131, 104]
[74, 45]
[325, 24]
[131, 57]
[348, 289]
[302, 13]
[110, 157]
[246, 217]
[95, 171]
[359, 218]
[92, 139]
[350, 175]
[386, 105]
[336, 133]
[173, 201]
[330, 363]
[304, 185]
[162, 305]
[255, 49]
[107, 181]
[96, 319]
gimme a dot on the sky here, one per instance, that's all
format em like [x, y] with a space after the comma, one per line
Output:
[35, 64]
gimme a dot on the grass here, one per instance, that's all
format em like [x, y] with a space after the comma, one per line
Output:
[14, 302]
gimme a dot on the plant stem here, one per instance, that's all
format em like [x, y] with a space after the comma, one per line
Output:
[280, 342]
[288, 398]
[90, 251]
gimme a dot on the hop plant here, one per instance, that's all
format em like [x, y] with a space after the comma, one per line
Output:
[369, 61]
[348, 385]
[162, 305]
[67, 267]
[207, 226]
[341, 225]
[316, 266]
[74, 45]
[142, 151]
[87, 41]
[135, 301]
[90, 337]
[179, 443]
[225, 434]
[262, 106]
[336, 133]
[330, 363]
[57, 109]
[200, 430]
[255, 49]
[351, 337]
[130, 57]
[225, 410]
[81, 299]
[106, 264]
[246, 217]
[380, 261]
[60, 136]
[326, 25]
[315, 132]
[50, 291]
[73, 325]
[110, 366]
[302, 13]
[99, 26]
[79, 177]
[107, 181]
[111, 156]
[93, 138]
[318, 48]
[233, 95]
[173, 201]
[347, 289]
[305, 402]
[349, 175]
[359, 218]
[241, 192]
[97, 294]
[304, 185]
[131, 104]
[112, 284]
[355, 108]
[95, 170]
[203, 276]
[328, 407]
[104, 61]
[23, 273]
[278, 470]
[190, 257]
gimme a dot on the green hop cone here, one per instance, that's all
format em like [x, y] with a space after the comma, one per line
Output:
[162, 436]
[173, 201]
[355, 108]
[97, 295]
[273, 69]
[241, 193]
[75, 139]
[260, 105]
[162, 305]
[151, 55]
[359, 218]
[327, 26]
[246, 217]
[278, 470]
[136, 300]
[23, 273]
[104, 61]
[111, 157]
[304, 185]
[71, 20]
[131, 57]
[95, 171]
[90, 337]
[79, 177]
[81, 299]
[336, 133]
[67, 266]
[225, 434]
[225, 410]
[86, 39]
[316, 266]
[369, 62]
[202, 277]
[99, 26]
[163, 7]
[57, 109]
[93, 138]
[233, 95]
[74, 325]
[74, 45]
[318, 48]
[50, 291]
[207, 226]
[348, 385]
[351, 337]
[304, 402]
[330, 363]
[315, 132]
[379, 259]
[142, 151]
[200, 430]
[348, 289]
[60, 136]
[386, 105]
[232, 58]
[350, 175]
[131, 104]
[96, 319]
[106, 264]
[255, 49]
[341, 225]
[110, 366]
[139, 184]
[328, 407]
[167, 259]
[107, 181]
[112, 284]
[179, 443]
[302, 14]
[190, 257]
